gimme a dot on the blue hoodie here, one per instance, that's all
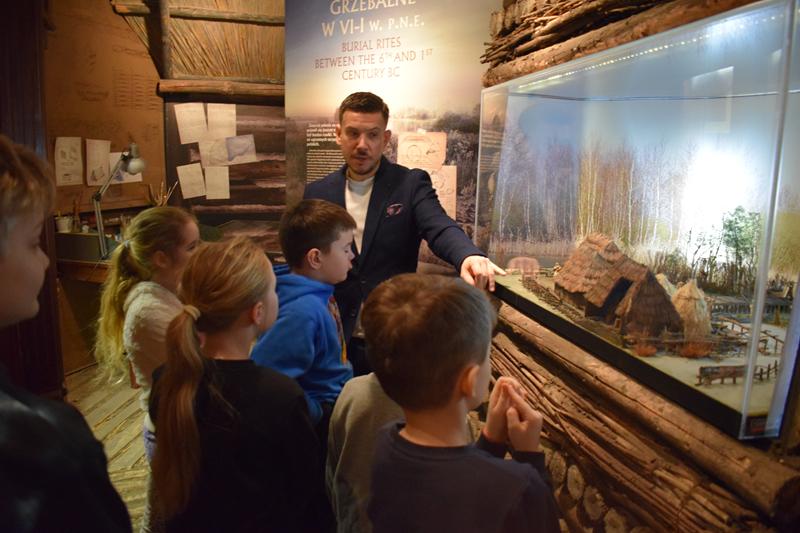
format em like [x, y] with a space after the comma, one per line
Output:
[304, 342]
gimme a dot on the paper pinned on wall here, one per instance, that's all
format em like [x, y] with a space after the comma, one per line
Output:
[422, 150]
[123, 177]
[221, 121]
[191, 180]
[97, 169]
[191, 120]
[228, 151]
[69, 161]
[217, 183]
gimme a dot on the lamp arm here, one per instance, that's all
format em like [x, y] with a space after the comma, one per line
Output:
[97, 197]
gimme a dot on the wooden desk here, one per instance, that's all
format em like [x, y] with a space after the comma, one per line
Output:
[79, 285]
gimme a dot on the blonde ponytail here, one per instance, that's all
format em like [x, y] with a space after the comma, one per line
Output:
[152, 230]
[221, 281]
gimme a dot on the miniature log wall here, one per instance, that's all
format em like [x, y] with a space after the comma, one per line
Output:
[621, 456]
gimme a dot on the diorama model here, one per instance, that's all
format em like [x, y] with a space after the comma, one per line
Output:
[645, 201]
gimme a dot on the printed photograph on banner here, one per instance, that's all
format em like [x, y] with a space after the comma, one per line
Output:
[191, 119]
[68, 161]
[422, 150]
[419, 58]
[97, 169]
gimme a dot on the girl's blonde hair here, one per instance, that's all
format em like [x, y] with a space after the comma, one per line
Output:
[221, 281]
[154, 229]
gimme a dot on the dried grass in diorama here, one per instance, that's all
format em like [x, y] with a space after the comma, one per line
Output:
[610, 288]
[647, 310]
[666, 283]
[690, 303]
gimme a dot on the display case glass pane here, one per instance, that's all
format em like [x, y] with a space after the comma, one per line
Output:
[646, 203]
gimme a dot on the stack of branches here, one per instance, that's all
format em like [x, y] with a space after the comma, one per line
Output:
[529, 25]
[641, 452]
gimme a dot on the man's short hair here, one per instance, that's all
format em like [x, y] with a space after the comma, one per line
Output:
[26, 186]
[421, 331]
[364, 103]
[311, 224]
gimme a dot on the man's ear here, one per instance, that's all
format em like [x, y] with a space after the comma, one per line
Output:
[161, 259]
[313, 258]
[468, 380]
[339, 134]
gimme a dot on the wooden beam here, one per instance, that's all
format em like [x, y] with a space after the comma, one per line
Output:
[646, 23]
[221, 87]
[197, 13]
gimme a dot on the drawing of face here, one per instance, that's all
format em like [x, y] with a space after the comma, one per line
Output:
[363, 137]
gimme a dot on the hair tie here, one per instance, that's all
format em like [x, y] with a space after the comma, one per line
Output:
[127, 243]
[192, 311]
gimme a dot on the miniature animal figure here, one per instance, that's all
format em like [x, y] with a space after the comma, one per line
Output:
[527, 266]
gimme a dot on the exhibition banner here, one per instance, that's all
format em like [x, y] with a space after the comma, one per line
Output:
[421, 56]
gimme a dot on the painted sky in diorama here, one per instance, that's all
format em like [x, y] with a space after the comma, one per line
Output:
[635, 194]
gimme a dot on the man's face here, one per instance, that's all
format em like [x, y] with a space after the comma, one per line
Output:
[363, 137]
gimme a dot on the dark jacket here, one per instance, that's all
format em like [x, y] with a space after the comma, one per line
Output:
[403, 210]
[53, 472]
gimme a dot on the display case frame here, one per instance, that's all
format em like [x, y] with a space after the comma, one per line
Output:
[494, 152]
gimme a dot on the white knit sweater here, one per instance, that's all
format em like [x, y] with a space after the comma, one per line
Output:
[149, 308]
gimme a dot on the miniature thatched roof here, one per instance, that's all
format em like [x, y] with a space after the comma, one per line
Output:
[647, 310]
[666, 283]
[593, 257]
[625, 268]
[690, 302]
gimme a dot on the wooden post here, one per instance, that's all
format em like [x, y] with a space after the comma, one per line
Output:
[166, 46]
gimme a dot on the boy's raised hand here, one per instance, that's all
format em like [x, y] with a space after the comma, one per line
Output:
[524, 423]
[496, 428]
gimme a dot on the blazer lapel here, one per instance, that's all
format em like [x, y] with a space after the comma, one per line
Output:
[339, 182]
[381, 190]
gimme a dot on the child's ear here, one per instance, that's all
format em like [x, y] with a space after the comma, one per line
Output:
[161, 259]
[313, 258]
[468, 380]
[257, 313]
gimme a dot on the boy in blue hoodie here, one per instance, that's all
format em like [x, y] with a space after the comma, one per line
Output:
[306, 341]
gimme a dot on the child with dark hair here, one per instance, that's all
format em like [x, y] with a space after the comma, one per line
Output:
[306, 342]
[428, 340]
[53, 472]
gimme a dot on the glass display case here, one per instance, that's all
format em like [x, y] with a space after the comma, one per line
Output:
[646, 203]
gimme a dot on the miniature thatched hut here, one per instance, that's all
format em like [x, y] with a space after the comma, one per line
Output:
[610, 288]
[590, 261]
[690, 302]
[647, 309]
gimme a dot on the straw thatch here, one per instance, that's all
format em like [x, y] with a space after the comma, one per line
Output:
[611, 287]
[690, 302]
[666, 283]
[590, 261]
[647, 309]
[243, 50]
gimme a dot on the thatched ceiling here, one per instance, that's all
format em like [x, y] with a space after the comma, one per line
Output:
[248, 49]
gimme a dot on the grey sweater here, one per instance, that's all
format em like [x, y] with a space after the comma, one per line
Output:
[360, 411]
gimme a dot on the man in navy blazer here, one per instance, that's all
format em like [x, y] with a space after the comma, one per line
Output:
[394, 208]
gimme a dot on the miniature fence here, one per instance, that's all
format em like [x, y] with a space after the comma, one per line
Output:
[707, 374]
[765, 337]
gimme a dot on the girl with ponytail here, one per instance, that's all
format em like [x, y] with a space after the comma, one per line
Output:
[139, 297]
[236, 447]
